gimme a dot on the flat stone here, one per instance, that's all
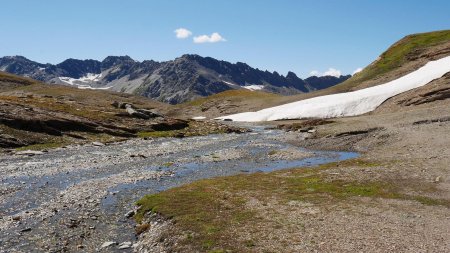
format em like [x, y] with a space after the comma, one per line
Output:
[125, 245]
[129, 214]
[30, 152]
[107, 244]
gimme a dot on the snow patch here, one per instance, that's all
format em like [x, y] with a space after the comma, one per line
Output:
[253, 87]
[233, 84]
[199, 118]
[41, 69]
[90, 77]
[349, 103]
[84, 81]
[87, 87]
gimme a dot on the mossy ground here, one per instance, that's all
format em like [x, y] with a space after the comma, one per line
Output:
[208, 209]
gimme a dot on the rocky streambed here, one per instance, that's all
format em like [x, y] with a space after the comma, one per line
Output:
[81, 198]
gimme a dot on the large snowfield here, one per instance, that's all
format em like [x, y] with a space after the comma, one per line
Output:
[349, 103]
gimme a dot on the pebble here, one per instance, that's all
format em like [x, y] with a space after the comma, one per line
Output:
[107, 244]
[129, 214]
[125, 245]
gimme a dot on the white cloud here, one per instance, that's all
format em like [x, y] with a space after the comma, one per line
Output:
[182, 33]
[357, 70]
[213, 38]
[314, 73]
[329, 72]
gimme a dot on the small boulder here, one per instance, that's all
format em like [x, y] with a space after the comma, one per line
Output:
[98, 144]
[134, 113]
[115, 104]
[108, 244]
[129, 214]
[125, 245]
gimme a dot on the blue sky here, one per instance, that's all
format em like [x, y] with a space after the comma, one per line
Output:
[300, 36]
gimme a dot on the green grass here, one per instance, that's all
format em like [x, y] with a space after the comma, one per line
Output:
[209, 209]
[41, 146]
[157, 134]
[272, 152]
[241, 94]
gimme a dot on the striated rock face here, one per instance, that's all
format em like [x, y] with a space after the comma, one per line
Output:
[183, 79]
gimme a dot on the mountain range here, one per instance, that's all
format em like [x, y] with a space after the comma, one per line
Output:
[184, 79]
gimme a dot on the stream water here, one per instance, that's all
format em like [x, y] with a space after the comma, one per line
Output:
[101, 175]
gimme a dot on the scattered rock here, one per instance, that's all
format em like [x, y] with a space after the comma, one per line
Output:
[29, 152]
[98, 144]
[138, 155]
[125, 245]
[108, 244]
[437, 179]
[121, 105]
[16, 218]
[129, 214]
[139, 113]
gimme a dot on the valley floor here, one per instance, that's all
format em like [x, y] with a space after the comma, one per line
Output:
[78, 197]
[394, 198]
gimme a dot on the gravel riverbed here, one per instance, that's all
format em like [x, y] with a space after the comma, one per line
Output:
[81, 198]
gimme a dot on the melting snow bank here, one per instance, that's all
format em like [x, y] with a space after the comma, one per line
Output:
[199, 118]
[349, 103]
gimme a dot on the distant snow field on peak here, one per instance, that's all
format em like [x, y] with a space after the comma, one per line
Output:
[349, 103]
[248, 87]
[230, 83]
[253, 87]
[84, 81]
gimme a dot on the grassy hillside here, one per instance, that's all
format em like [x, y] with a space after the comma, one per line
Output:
[10, 81]
[397, 55]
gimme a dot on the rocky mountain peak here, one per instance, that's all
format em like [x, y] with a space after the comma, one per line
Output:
[116, 60]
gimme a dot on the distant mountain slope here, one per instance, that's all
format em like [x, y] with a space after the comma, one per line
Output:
[183, 79]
